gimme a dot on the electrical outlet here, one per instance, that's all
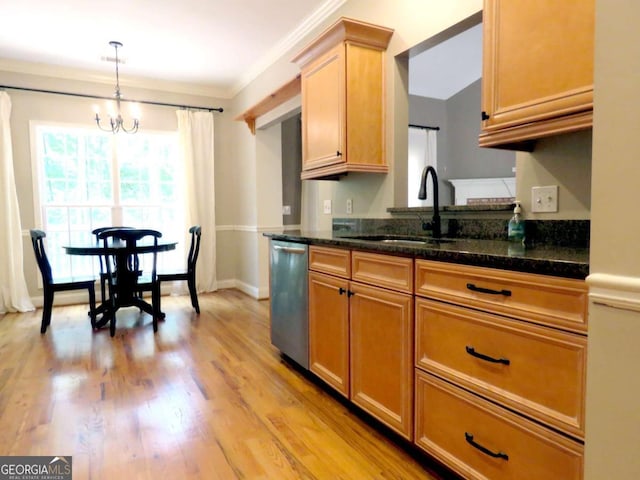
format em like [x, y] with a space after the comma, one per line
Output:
[286, 209]
[544, 199]
[327, 207]
[349, 206]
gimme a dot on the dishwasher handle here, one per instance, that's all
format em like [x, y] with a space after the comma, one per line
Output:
[295, 251]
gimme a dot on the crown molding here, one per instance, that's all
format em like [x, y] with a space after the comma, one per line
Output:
[287, 43]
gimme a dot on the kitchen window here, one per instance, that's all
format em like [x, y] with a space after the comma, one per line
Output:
[87, 179]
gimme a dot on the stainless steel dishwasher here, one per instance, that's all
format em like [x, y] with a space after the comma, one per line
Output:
[288, 284]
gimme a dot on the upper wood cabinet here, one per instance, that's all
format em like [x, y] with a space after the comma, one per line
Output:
[537, 77]
[343, 91]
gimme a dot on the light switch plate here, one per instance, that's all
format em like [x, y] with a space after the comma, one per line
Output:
[544, 199]
[349, 206]
[327, 207]
[286, 209]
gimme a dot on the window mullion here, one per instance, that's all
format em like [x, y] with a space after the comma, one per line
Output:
[116, 211]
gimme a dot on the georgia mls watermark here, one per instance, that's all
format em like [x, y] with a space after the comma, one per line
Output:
[36, 468]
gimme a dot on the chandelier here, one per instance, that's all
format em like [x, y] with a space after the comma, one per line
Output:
[116, 123]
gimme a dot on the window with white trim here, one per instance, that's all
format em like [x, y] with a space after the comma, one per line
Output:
[88, 179]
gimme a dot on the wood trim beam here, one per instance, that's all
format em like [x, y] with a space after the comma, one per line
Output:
[281, 95]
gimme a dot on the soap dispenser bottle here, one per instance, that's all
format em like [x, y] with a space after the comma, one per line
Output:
[515, 231]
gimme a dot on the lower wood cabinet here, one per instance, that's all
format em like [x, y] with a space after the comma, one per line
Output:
[483, 369]
[500, 371]
[361, 335]
[483, 441]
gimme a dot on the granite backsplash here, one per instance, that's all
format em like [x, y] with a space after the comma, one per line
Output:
[562, 233]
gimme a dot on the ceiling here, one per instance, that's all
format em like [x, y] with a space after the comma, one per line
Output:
[447, 68]
[221, 43]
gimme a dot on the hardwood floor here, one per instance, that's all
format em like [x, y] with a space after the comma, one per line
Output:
[207, 397]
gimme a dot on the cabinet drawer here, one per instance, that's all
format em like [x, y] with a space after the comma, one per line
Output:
[538, 371]
[333, 261]
[386, 271]
[554, 301]
[483, 441]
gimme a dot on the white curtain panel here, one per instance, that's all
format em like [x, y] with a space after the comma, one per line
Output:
[196, 143]
[423, 151]
[14, 295]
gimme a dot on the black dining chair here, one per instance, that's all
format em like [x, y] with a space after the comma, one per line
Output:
[52, 285]
[128, 270]
[103, 268]
[190, 274]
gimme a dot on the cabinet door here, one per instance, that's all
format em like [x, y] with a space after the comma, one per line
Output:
[537, 64]
[323, 105]
[382, 355]
[329, 330]
[365, 109]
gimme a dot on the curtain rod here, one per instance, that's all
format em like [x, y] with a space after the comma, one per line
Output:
[98, 97]
[424, 127]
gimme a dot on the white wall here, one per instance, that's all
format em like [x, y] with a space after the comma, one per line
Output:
[613, 383]
[564, 161]
[268, 196]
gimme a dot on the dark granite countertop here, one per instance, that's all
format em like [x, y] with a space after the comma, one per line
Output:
[542, 259]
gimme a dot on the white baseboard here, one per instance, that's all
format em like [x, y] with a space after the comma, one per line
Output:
[252, 291]
[229, 283]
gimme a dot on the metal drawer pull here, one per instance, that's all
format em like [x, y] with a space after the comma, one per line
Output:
[297, 251]
[472, 351]
[469, 438]
[471, 286]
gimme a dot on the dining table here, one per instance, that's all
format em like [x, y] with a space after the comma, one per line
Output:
[126, 279]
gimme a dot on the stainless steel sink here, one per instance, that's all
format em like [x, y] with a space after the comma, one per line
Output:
[401, 239]
[404, 240]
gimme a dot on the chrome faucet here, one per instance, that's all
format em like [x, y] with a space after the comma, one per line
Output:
[422, 195]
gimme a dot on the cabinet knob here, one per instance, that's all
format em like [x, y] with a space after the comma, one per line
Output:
[338, 153]
[485, 116]
[341, 290]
